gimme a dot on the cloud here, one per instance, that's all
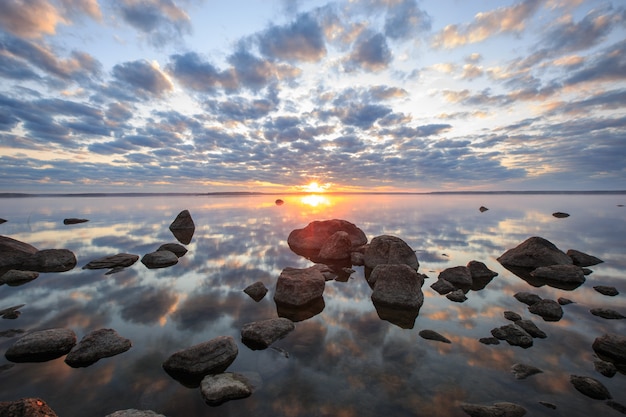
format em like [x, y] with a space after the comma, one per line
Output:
[607, 66]
[144, 78]
[194, 73]
[30, 18]
[370, 53]
[161, 21]
[405, 19]
[303, 40]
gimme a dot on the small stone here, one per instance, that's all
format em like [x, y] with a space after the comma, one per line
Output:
[41, 346]
[220, 388]
[514, 335]
[14, 278]
[605, 368]
[74, 220]
[99, 344]
[159, 259]
[433, 335]
[523, 371]
[511, 315]
[607, 313]
[527, 298]
[531, 328]
[548, 405]
[617, 406]
[503, 409]
[560, 215]
[606, 290]
[458, 296]
[590, 387]
[113, 261]
[176, 248]
[489, 340]
[583, 259]
[564, 301]
[483, 209]
[256, 291]
[459, 276]
[442, 286]
[261, 334]
[26, 407]
[549, 310]
[131, 412]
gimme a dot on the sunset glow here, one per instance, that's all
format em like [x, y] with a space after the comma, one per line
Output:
[314, 187]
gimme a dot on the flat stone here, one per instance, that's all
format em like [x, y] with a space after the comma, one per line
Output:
[549, 310]
[113, 261]
[74, 220]
[41, 346]
[606, 290]
[607, 313]
[159, 259]
[26, 407]
[560, 215]
[261, 334]
[14, 278]
[503, 409]
[220, 388]
[591, 387]
[523, 371]
[98, 344]
[489, 340]
[433, 335]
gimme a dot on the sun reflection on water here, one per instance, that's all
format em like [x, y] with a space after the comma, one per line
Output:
[315, 200]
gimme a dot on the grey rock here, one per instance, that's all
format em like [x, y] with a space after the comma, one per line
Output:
[310, 239]
[523, 371]
[298, 287]
[256, 291]
[533, 253]
[176, 248]
[602, 289]
[605, 368]
[527, 298]
[459, 276]
[549, 310]
[502, 409]
[489, 340]
[607, 313]
[433, 335]
[621, 408]
[261, 334]
[98, 344]
[611, 347]
[511, 315]
[218, 389]
[566, 274]
[159, 259]
[337, 246]
[132, 412]
[14, 278]
[113, 261]
[357, 258]
[590, 387]
[442, 286]
[481, 275]
[49, 260]
[513, 335]
[397, 286]
[531, 328]
[388, 249]
[458, 296]
[583, 259]
[26, 407]
[13, 252]
[564, 301]
[41, 346]
[183, 227]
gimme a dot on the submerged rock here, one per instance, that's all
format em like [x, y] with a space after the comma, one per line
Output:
[433, 335]
[114, 261]
[131, 412]
[533, 253]
[502, 409]
[298, 287]
[606, 290]
[549, 310]
[26, 407]
[388, 249]
[565, 274]
[611, 347]
[14, 278]
[607, 313]
[218, 389]
[513, 335]
[261, 334]
[41, 346]
[99, 344]
[590, 387]
[11, 313]
[523, 371]
[582, 259]
[256, 291]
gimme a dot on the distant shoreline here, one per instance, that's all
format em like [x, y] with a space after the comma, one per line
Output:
[245, 193]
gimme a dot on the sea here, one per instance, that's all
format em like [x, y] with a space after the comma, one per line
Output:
[343, 360]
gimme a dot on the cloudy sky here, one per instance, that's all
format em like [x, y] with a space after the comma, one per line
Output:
[258, 95]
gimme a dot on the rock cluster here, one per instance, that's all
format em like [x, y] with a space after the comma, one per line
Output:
[455, 282]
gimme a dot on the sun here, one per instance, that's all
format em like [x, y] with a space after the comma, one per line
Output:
[314, 187]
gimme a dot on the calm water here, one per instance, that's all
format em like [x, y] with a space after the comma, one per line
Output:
[344, 361]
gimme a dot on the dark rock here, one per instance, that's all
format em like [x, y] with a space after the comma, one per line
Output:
[190, 365]
[602, 289]
[401, 317]
[14, 278]
[458, 296]
[621, 408]
[590, 387]
[459, 276]
[13, 252]
[337, 246]
[41, 346]
[548, 405]
[511, 315]
[309, 240]
[388, 249]
[279, 202]
[177, 249]
[183, 227]
[503, 409]
[607, 313]
[159, 259]
[565, 274]
[612, 348]
[301, 312]
[533, 253]
[131, 412]
[523, 371]
[397, 286]
[49, 260]
[98, 344]
[442, 286]
[11, 332]
[481, 275]
[261, 334]
[433, 335]
[357, 258]
[605, 368]
[298, 287]
[218, 389]
[564, 301]
[583, 259]
[3, 221]
[560, 215]
[531, 328]
[26, 407]
[114, 261]
[527, 298]
[483, 209]
[549, 310]
[489, 340]
[74, 220]
[256, 291]
[513, 335]
[11, 313]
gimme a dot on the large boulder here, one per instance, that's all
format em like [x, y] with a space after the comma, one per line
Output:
[98, 344]
[261, 334]
[398, 286]
[26, 407]
[13, 252]
[388, 249]
[309, 240]
[218, 389]
[298, 287]
[533, 253]
[41, 346]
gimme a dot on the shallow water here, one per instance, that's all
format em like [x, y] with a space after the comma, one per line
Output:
[344, 361]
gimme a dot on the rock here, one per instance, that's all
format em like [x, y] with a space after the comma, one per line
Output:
[458, 296]
[337, 246]
[357, 258]
[602, 289]
[279, 202]
[13, 252]
[481, 275]
[564, 301]
[98, 344]
[605, 368]
[192, 364]
[11, 313]
[297, 287]
[531, 328]
[218, 389]
[483, 209]
[397, 286]
[489, 340]
[582, 259]
[503, 409]
[612, 348]
[590, 387]
[49, 260]
[533, 253]
[41, 346]
[459, 276]
[523, 371]
[26, 407]
[131, 412]
[3, 220]
[301, 312]
[560, 215]
[159, 259]
[74, 220]
[621, 408]
[549, 310]
[442, 286]
[256, 291]
[114, 261]
[261, 334]
[387, 249]
[14, 278]
[175, 248]
[548, 405]
[607, 313]
[11, 332]
[513, 335]
[511, 315]
[527, 298]
[565, 274]
[309, 240]
[433, 335]
[183, 227]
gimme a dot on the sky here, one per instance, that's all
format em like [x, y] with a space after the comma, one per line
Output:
[270, 96]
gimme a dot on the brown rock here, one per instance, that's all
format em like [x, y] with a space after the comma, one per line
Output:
[26, 407]
[297, 287]
[41, 346]
[99, 344]
[533, 253]
[388, 249]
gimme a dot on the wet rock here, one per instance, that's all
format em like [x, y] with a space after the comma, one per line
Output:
[261, 334]
[218, 389]
[74, 220]
[564, 301]
[433, 335]
[513, 335]
[607, 313]
[533, 253]
[604, 290]
[481, 275]
[503, 409]
[337, 246]
[489, 340]
[297, 287]
[442, 286]
[560, 215]
[549, 310]
[459, 276]
[41, 346]
[98, 344]
[114, 261]
[582, 259]
[564, 274]
[13, 252]
[309, 240]
[159, 259]
[388, 249]
[483, 209]
[458, 296]
[511, 315]
[256, 291]
[605, 368]
[397, 286]
[531, 328]
[177, 249]
[523, 371]
[131, 412]
[183, 227]
[612, 348]
[26, 407]
[11, 313]
[527, 298]
[14, 278]
[190, 365]
[590, 387]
